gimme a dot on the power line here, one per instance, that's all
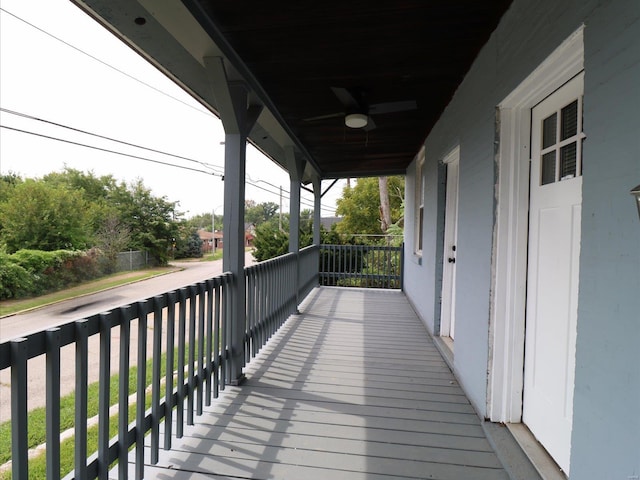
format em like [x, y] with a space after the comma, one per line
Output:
[49, 122]
[115, 152]
[105, 63]
[41, 30]
[108, 150]
[305, 202]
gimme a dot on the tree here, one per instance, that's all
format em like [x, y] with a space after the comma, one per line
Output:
[7, 183]
[203, 221]
[112, 238]
[385, 206]
[44, 217]
[152, 221]
[94, 188]
[270, 241]
[257, 214]
[361, 209]
[96, 191]
[189, 245]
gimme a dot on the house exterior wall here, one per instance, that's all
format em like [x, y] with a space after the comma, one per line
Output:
[606, 432]
[606, 427]
[425, 293]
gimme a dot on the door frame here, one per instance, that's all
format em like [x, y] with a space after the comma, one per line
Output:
[448, 289]
[505, 381]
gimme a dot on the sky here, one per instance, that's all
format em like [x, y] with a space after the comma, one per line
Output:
[64, 77]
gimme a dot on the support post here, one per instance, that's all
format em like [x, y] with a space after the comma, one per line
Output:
[296, 169]
[233, 253]
[317, 199]
[238, 118]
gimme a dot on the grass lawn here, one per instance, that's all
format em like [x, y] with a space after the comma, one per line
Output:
[8, 307]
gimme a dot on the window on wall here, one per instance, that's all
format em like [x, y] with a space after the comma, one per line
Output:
[419, 203]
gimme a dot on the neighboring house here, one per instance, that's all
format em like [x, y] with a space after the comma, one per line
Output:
[249, 234]
[328, 222]
[208, 239]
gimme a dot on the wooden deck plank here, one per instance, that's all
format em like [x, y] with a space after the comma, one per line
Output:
[283, 463]
[239, 439]
[352, 388]
[248, 406]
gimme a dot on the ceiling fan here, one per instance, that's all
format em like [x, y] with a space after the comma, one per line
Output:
[357, 112]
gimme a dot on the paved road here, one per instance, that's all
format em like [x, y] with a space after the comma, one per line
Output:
[82, 307]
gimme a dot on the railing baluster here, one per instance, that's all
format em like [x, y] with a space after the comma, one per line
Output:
[141, 387]
[226, 313]
[82, 355]
[192, 355]
[209, 348]
[156, 359]
[171, 326]
[123, 391]
[201, 356]
[264, 313]
[250, 348]
[19, 443]
[182, 341]
[216, 339]
[104, 395]
[53, 403]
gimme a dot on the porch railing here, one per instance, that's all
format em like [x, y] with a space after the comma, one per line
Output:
[188, 350]
[184, 338]
[370, 266]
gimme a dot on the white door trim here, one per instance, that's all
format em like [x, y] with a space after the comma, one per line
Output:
[510, 236]
[448, 295]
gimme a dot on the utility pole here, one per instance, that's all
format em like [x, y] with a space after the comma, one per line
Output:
[280, 211]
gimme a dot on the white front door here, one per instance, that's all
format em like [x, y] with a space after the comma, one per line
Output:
[448, 305]
[553, 261]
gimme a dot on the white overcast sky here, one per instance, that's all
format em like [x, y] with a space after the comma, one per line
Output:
[59, 65]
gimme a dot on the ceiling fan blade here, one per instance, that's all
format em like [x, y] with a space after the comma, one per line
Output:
[323, 117]
[347, 98]
[370, 124]
[390, 107]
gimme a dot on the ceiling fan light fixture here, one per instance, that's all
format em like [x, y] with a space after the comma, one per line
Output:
[356, 120]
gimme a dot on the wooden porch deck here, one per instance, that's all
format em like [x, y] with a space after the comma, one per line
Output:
[352, 388]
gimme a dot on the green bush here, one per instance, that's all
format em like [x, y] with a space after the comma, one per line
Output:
[15, 281]
[36, 261]
[36, 272]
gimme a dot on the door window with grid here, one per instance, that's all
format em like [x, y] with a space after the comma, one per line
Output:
[562, 138]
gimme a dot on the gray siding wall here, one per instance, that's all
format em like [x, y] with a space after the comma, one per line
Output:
[606, 442]
[606, 432]
[425, 292]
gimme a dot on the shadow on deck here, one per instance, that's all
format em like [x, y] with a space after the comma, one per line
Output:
[351, 388]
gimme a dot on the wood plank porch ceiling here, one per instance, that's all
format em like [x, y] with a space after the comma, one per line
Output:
[412, 50]
[353, 388]
[292, 55]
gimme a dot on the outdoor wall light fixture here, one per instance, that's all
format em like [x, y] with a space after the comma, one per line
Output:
[635, 191]
[356, 120]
